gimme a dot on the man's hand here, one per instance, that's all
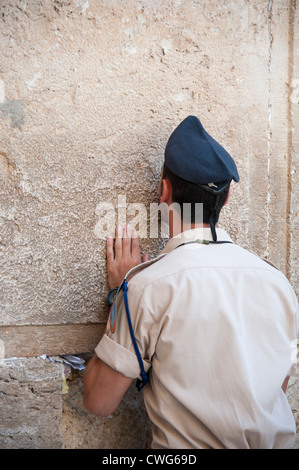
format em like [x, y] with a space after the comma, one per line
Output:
[126, 255]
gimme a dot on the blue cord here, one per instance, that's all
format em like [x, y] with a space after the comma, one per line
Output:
[139, 383]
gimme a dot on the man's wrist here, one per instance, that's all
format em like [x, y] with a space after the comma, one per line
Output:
[112, 295]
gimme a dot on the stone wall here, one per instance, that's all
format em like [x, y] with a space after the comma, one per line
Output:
[89, 93]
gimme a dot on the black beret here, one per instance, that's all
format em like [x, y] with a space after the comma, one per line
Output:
[193, 155]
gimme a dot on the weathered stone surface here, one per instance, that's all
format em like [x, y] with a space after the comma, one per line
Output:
[30, 403]
[127, 428]
[103, 87]
[293, 220]
[28, 341]
[293, 398]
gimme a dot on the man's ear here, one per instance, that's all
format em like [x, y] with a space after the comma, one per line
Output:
[227, 197]
[166, 191]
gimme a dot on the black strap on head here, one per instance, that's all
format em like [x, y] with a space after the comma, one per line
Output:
[216, 190]
[213, 221]
[213, 230]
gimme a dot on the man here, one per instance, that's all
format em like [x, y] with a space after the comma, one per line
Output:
[208, 326]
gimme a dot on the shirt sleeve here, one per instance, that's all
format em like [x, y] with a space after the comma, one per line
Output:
[116, 347]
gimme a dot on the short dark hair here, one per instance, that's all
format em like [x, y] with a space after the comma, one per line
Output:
[185, 192]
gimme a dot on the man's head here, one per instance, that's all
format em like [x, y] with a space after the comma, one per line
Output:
[183, 192]
[199, 169]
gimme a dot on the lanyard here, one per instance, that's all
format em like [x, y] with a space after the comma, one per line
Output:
[144, 377]
[204, 242]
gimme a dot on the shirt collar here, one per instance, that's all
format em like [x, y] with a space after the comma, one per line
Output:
[202, 233]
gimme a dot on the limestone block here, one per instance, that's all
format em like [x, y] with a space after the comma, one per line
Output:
[31, 404]
[293, 398]
[294, 155]
[90, 94]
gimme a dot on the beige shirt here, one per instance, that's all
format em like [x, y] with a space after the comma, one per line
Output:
[216, 327]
